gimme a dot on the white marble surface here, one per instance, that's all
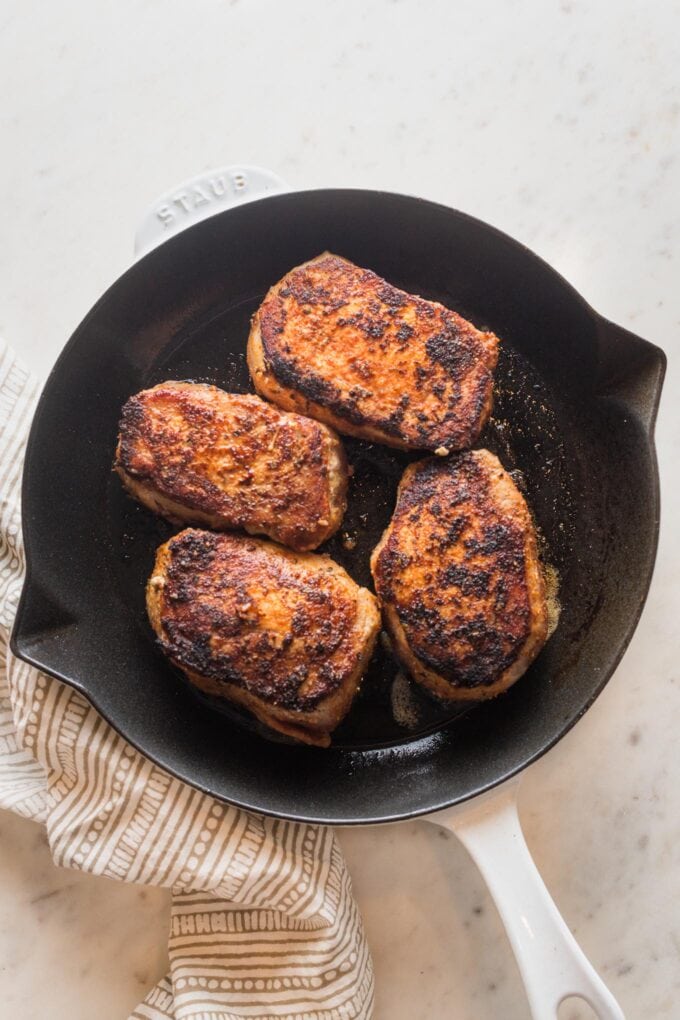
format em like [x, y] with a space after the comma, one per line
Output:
[558, 122]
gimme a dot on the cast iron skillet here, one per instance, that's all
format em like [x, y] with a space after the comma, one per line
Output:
[575, 404]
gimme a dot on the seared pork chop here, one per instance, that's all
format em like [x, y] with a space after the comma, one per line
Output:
[287, 635]
[458, 577]
[196, 454]
[340, 344]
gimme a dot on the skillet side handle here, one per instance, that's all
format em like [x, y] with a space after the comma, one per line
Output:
[552, 965]
[631, 371]
[203, 196]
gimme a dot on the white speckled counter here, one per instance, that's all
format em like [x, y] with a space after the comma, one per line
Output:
[559, 123]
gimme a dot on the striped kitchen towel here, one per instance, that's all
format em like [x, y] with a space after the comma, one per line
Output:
[263, 921]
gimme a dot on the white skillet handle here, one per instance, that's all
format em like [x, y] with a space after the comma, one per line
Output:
[201, 197]
[552, 965]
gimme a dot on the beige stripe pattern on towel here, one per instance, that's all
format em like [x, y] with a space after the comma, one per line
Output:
[263, 920]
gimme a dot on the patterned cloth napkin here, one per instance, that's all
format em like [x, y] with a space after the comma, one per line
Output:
[263, 921]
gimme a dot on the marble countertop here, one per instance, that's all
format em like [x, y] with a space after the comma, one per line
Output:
[557, 122]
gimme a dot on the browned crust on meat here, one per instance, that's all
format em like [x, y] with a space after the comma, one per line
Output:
[287, 635]
[458, 577]
[196, 454]
[340, 344]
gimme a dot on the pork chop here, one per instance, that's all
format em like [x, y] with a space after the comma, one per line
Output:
[286, 635]
[342, 345]
[458, 577]
[196, 454]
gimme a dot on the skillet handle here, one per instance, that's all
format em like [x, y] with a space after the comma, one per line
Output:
[552, 965]
[203, 196]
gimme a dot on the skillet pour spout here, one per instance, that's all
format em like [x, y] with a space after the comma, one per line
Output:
[632, 370]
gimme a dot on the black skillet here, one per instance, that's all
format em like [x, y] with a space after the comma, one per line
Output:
[575, 404]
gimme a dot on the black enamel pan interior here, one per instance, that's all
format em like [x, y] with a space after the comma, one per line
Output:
[575, 403]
